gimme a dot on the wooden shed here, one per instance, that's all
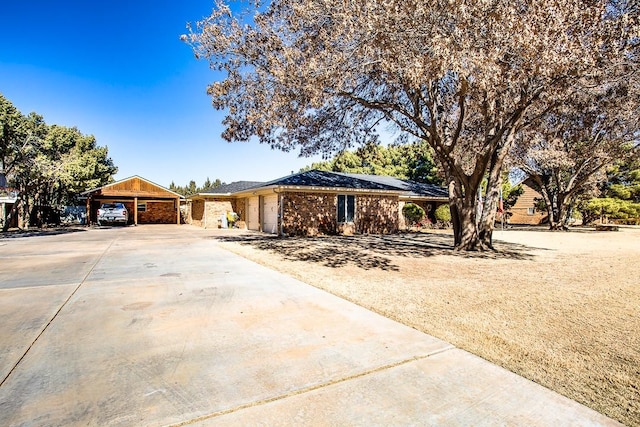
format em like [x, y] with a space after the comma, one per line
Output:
[146, 202]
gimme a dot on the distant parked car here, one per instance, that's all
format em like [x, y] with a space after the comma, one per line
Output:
[112, 213]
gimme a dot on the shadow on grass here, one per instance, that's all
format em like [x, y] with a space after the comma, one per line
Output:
[369, 251]
[18, 233]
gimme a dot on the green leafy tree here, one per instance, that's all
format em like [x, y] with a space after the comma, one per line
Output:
[193, 188]
[16, 143]
[409, 161]
[624, 180]
[622, 195]
[599, 209]
[207, 184]
[47, 165]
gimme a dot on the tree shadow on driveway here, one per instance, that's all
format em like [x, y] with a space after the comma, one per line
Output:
[38, 232]
[370, 251]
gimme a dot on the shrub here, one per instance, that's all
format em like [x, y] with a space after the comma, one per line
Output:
[413, 213]
[442, 213]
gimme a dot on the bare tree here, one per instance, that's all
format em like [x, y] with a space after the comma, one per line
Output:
[464, 76]
[568, 149]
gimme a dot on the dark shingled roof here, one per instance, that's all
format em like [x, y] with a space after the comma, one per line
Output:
[324, 179]
[414, 188]
[233, 187]
[317, 178]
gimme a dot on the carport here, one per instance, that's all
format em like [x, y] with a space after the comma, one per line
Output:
[146, 202]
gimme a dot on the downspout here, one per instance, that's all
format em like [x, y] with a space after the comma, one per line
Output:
[281, 215]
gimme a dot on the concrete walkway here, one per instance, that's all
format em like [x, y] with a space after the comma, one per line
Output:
[157, 325]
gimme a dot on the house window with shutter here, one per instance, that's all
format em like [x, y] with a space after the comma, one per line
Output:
[346, 208]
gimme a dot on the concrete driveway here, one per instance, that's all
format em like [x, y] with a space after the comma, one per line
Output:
[157, 325]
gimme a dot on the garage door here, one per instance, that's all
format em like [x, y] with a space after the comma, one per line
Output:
[253, 213]
[270, 214]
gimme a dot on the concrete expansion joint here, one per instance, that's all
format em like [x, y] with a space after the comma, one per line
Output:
[55, 315]
[312, 388]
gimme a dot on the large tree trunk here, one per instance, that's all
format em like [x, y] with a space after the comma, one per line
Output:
[468, 230]
[548, 202]
[563, 203]
[473, 220]
[24, 213]
[490, 206]
[492, 195]
[463, 217]
[556, 209]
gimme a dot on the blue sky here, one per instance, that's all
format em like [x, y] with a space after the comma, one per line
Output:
[118, 70]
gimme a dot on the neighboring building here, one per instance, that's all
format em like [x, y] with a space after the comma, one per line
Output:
[7, 200]
[315, 202]
[8, 197]
[524, 211]
[146, 202]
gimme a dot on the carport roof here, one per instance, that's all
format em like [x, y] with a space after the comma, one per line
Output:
[133, 186]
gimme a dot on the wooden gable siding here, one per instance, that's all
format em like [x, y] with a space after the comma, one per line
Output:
[520, 211]
[136, 187]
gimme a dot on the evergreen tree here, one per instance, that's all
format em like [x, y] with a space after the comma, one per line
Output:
[411, 161]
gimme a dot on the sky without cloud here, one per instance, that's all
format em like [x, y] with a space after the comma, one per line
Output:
[118, 70]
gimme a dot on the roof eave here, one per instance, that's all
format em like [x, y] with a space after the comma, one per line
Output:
[338, 189]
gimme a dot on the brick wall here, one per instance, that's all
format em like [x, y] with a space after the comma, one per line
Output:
[376, 214]
[309, 214]
[158, 212]
[212, 210]
[215, 209]
[196, 213]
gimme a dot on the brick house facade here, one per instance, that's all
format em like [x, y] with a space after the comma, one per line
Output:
[309, 213]
[315, 202]
[377, 214]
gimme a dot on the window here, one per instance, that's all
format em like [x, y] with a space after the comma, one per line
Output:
[531, 211]
[142, 206]
[346, 208]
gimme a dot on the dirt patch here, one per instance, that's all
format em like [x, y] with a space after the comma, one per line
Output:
[561, 309]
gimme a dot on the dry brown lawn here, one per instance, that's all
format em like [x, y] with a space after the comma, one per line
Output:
[562, 309]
